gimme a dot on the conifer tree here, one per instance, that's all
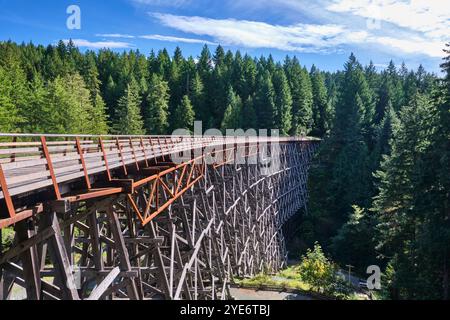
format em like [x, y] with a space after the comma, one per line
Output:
[264, 102]
[157, 115]
[321, 106]
[232, 116]
[197, 96]
[301, 90]
[283, 102]
[129, 119]
[248, 115]
[184, 116]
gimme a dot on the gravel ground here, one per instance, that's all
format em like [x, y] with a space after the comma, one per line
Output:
[246, 294]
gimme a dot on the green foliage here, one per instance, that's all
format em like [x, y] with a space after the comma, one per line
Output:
[232, 117]
[9, 113]
[379, 183]
[157, 114]
[283, 101]
[302, 97]
[128, 114]
[264, 102]
[7, 238]
[322, 113]
[317, 271]
[184, 115]
[352, 245]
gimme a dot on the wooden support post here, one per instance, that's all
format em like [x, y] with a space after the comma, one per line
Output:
[122, 252]
[105, 158]
[50, 167]
[30, 261]
[144, 152]
[134, 154]
[83, 163]
[61, 262]
[119, 147]
[95, 242]
[6, 195]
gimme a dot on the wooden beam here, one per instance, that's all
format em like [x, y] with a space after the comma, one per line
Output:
[61, 261]
[98, 292]
[30, 261]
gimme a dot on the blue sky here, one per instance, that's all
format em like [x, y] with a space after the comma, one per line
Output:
[323, 32]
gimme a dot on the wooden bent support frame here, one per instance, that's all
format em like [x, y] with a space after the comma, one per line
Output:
[118, 220]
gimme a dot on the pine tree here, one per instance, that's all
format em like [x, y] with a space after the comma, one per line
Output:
[264, 102]
[129, 120]
[197, 96]
[176, 81]
[232, 116]
[384, 99]
[283, 102]
[398, 214]
[9, 113]
[36, 110]
[341, 175]
[98, 116]
[13, 89]
[184, 115]
[157, 115]
[321, 106]
[301, 90]
[248, 115]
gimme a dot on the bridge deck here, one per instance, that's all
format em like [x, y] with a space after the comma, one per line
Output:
[35, 163]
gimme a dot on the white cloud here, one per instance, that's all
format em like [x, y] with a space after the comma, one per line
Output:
[408, 27]
[252, 34]
[425, 24]
[115, 35]
[175, 39]
[99, 44]
[431, 17]
[412, 45]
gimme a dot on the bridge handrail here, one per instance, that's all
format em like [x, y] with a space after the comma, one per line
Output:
[33, 162]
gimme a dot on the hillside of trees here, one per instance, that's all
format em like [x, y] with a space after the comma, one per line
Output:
[380, 184]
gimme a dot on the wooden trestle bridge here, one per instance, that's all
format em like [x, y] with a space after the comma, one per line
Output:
[114, 217]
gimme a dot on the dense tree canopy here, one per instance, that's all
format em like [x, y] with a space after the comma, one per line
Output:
[151, 89]
[380, 183]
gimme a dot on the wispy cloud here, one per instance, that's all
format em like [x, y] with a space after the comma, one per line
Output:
[100, 44]
[410, 27]
[253, 34]
[431, 17]
[175, 39]
[115, 35]
[424, 24]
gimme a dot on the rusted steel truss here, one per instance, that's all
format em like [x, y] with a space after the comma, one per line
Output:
[166, 231]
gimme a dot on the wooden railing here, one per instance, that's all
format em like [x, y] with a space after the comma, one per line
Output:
[29, 163]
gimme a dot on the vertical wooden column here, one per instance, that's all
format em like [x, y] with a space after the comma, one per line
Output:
[30, 261]
[61, 262]
[122, 252]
